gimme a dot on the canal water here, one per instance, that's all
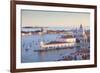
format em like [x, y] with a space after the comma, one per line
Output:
[30, 43]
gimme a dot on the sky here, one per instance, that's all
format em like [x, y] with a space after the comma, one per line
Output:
[37, 18]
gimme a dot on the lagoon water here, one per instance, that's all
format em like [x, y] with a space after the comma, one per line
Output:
[32, 42]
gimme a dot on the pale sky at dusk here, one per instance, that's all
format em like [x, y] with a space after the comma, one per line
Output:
[52, 19]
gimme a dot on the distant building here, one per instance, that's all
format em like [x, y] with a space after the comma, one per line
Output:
[68, 38]
[65, 41]
[24, 33]
[57, 45]
[81, 37]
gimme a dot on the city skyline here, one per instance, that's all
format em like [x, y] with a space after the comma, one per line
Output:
[37, 18]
